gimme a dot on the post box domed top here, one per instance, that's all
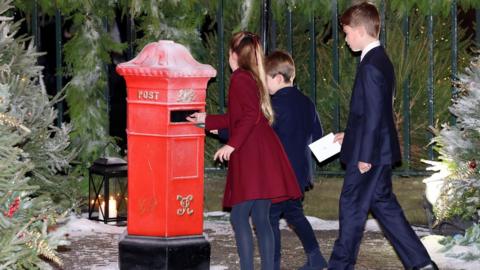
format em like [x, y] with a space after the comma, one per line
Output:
[165, 58]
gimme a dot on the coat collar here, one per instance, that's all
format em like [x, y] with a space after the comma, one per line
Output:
[284, 91]
[369, 47]
[369, 54]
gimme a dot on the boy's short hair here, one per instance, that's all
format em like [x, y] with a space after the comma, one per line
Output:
[280, 62]
[365, 14]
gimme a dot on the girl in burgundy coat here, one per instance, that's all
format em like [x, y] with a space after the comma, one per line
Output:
[259, 172]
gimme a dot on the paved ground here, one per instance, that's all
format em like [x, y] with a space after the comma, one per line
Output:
[99, 250]
[375, 252]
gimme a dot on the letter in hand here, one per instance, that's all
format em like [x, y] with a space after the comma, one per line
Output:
[339, 137]
[197, 118]
[223, 153]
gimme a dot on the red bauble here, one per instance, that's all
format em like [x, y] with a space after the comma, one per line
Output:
[13, 207]
[472, 164]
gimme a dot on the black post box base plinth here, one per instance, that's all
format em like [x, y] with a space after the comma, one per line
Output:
[159, 253]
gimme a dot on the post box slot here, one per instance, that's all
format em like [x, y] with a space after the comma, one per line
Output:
[180, 116]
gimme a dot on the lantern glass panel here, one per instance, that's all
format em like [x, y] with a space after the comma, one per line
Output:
[108, 195]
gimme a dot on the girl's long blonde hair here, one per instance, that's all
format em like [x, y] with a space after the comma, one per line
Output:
[251, 58]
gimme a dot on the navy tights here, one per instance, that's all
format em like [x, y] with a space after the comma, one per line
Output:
[259, 210]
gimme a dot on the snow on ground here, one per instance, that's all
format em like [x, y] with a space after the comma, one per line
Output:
[76, 227]
[218, 267]
[447, 260]
[218, 222]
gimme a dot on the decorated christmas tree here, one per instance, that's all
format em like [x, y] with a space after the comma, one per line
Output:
[34, 155]
[458, 145]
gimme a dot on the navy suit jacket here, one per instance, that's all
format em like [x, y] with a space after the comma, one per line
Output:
[370, 135]
[297, 124]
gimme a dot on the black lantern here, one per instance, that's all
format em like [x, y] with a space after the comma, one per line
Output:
[107, 196]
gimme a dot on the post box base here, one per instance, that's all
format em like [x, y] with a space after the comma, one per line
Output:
[170, 253]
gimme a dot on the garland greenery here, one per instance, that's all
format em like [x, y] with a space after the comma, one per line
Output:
[182, 20]
[85, 57]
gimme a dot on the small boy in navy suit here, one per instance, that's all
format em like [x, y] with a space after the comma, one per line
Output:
[369, 149]
[296, 124]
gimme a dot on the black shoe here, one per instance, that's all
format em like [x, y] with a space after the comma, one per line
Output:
[430, 266]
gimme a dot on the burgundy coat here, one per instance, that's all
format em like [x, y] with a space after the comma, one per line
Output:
[259, 167]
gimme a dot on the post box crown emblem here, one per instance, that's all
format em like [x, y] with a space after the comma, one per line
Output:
[165, 58]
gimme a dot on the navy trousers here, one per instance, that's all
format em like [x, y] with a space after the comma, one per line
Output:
[372, 191]
[292, 211]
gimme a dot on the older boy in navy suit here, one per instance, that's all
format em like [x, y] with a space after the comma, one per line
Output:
[369, 149]
[297, 124]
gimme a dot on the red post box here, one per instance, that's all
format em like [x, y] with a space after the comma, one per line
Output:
[165, 151]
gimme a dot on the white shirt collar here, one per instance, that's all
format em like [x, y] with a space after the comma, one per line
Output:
[370, 46]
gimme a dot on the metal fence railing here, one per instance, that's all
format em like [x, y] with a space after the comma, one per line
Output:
[269, 43]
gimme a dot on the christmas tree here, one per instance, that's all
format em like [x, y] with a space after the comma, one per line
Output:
[34, 154]
[458, 146]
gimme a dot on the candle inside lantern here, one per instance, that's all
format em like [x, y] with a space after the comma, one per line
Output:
[112, 209]
[101, 211]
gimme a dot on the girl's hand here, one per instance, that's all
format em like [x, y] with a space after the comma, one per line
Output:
[224, 153]
[214, 131]
[198, 117]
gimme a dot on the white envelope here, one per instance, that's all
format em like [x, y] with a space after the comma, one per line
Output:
[324, 147]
